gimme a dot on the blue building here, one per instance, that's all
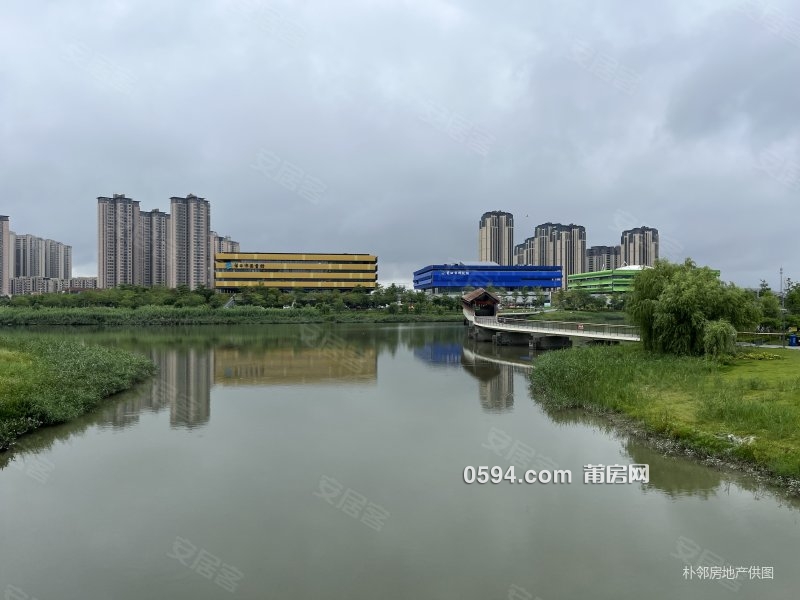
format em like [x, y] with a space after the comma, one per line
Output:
[442, 279]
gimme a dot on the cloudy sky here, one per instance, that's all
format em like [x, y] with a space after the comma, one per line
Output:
[390, 126]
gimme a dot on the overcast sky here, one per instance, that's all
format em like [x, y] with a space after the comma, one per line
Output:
[390, 126]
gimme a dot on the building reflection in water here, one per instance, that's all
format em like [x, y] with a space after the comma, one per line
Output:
[187, 382]
[495, 376]
[187, 375]
[495, 381]
[183, 385]
[295, 365]
[440, 353]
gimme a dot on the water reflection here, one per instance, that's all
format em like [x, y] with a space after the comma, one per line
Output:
[186, 386]
[330, 337]
[674, 476]
[492, 366]
[495, 381]
[255, 493]
[286, 366]
[440, 353]
[183, 385]
[192, 362]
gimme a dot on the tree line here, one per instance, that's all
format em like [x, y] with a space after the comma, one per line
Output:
[392, 298]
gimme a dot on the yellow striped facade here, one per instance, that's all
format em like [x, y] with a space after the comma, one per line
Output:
[236, 270]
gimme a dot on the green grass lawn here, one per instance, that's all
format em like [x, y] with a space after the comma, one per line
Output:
[48, 381]
[694, 400]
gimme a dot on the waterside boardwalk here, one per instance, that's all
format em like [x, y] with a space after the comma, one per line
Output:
[595, 331]
[480, 314]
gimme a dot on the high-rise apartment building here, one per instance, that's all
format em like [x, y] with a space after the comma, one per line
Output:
[67, 272]
[30, 264]
[118, 256]
[221, 244]
[639, 246]
[523, 253]
[82, 283]
[496, 238]
[519, 254]
[191, 257]
[21, 286]
[155, 247]
[602, 258]
[557, 244]
[57, 260]
[6, 256]
[30, 256]
[224, 244]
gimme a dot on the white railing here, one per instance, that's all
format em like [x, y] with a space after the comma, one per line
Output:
[594, 330]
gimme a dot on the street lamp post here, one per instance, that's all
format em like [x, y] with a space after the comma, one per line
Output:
[783, 313]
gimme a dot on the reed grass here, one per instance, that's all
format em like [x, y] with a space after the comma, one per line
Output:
[45, 381]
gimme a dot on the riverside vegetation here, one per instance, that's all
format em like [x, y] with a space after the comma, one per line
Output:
[46, 381]
[203, 315]
[688, 381]
[746, 408]
[135, 306]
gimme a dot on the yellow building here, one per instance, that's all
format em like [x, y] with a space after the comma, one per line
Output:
[236, 270]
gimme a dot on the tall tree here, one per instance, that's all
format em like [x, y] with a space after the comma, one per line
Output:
[675, 305]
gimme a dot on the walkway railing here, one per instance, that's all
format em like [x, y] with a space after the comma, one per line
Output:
[758, 338]
[567, 328]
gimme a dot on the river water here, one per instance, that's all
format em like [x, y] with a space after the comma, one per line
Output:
[327, 462]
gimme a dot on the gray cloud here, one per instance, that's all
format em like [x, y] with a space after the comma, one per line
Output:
[413, 118]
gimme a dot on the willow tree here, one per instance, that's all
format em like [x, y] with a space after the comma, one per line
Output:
[678, 306]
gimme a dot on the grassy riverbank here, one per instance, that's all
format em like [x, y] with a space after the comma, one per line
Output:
[205, 315]
[747, 410]
[49, 381]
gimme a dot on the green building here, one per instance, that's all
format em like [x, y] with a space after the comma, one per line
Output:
[609, 281]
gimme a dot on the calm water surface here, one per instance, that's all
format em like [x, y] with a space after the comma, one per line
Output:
[309, 462]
